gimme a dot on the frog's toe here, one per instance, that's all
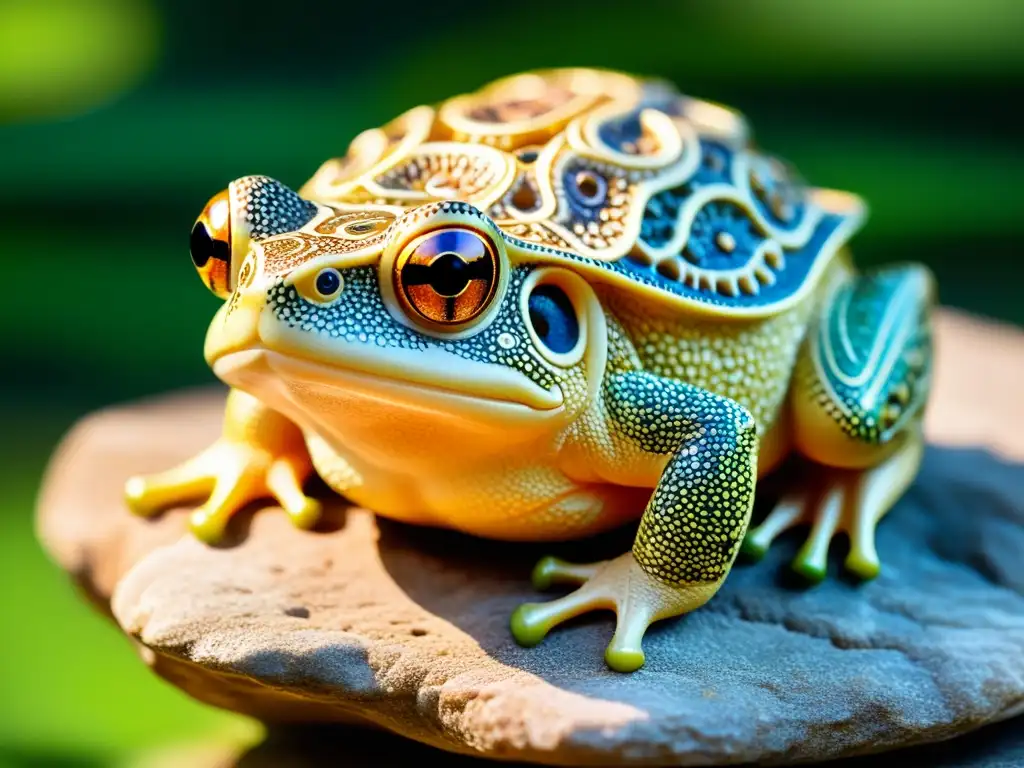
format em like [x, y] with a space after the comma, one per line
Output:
[550, 571]
[146, 495]
[624, 659]
[620, 585]
[625, 652]
[863, 562]
[831, 507]
[232, 491]
[208, 525]
[787, 513]
[284, 481]
[531, 622]
[811, 561]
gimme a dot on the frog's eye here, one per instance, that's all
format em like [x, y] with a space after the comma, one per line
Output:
[210, 244]
[251, 209]
[447, 277]
[323, 287]
[553, 318]
[555, 304]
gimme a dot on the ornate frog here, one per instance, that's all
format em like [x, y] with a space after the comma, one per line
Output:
[567, 301]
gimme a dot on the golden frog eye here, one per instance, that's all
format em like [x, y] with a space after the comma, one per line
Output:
[210, 244]
[447, 277]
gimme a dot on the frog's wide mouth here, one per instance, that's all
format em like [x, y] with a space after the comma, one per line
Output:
[425, 377]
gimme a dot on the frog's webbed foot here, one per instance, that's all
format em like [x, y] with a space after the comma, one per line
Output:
[845, 501]
[620, 585]
[260, 455]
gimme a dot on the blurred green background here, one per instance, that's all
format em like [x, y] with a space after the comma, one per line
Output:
[121, 117]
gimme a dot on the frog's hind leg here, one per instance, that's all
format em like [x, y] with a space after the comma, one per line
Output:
[858, 397]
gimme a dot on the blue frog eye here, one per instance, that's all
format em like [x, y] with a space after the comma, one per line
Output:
[328, 283]
[554, 318]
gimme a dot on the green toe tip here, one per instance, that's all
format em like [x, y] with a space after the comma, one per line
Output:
[623, 659]
[308, 516]
[812, 573]
[753, 550]
[525, 629]
[134, 495]
[207, 531]
[544, 573]
[863, 568]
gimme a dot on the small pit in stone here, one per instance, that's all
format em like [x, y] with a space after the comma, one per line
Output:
[297, 611]
[418, 632]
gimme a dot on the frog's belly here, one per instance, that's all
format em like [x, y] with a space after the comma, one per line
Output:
[527, 501]
[433, 457]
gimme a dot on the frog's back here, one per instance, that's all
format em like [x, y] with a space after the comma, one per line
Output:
[627, 181]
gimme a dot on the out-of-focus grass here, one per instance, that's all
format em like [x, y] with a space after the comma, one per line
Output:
[146, 316]
[74, 692]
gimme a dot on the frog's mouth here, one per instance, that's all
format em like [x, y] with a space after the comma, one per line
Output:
[248, 350]
[423, 379]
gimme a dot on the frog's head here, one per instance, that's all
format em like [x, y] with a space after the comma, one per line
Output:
[377, 324]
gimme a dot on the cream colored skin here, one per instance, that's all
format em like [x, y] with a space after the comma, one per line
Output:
[482, 428]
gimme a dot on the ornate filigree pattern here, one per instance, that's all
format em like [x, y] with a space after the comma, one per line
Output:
[607, 171]
[332, 232]
[443, 174]
[530, 108]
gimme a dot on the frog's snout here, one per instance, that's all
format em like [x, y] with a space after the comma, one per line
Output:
[251, 208]
[237, 326]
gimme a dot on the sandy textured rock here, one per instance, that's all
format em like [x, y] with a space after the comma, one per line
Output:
[366, 621]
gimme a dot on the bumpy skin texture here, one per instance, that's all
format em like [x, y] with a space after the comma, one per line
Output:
[868, 362]
[694, 522]
[535, 312]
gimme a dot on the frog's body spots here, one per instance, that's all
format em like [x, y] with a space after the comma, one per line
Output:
[750, 362]
[567, 301]
[703, 501]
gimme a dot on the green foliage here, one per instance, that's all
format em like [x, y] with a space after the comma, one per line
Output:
[58, 57]
[75, 691]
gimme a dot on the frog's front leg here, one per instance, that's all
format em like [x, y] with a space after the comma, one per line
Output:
[691, 530]
[260, 454]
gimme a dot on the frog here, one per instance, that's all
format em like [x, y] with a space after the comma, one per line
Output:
[567, 302]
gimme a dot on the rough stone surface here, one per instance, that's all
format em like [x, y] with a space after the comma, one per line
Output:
[996, 746]
[370, 622]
